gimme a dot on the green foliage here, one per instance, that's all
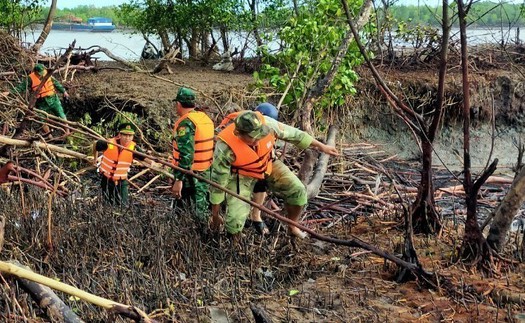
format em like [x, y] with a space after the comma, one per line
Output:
[312, 41]
[17, 14]
[418, 36]
[84, 12]
[482, 14]
[109, 128]
[179, 18]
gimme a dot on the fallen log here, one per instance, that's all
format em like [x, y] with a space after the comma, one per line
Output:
[48, 301]
[503, 296]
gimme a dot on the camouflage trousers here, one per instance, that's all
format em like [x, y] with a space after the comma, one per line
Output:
[115, 193]
[195, 193]
[282, 182]
[52, 105]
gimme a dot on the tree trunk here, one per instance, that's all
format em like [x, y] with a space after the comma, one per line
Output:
[193, 46]
[425, 218]
[296, 8]
[47, 27]
[506, 211]
[224, 37]
[165, 39]
[475, 250]
[255, 27]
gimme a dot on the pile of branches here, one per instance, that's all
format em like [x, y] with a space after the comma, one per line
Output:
[13, 55]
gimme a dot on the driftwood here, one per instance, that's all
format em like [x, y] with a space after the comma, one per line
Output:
[115, 307]
[98, 49]
[170, 57]
[503, 296]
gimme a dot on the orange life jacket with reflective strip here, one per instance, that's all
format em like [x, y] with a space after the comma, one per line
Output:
[204, 133]
[115, 163]
[229, 119]
[46, 90]
[253, 162]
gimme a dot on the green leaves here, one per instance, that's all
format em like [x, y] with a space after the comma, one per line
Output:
[311, 43]
[17, 14]
[293, 292]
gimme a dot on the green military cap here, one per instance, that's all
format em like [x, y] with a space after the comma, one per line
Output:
[39, 68]
[126, 128]
[186, 97]
[248, 123]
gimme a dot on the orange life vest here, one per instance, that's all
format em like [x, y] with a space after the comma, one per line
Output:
[204, 133]
[253, 162]
[46, 90]
[229, 119]
[115, 163]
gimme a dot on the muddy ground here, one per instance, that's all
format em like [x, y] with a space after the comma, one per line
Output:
[152, 256]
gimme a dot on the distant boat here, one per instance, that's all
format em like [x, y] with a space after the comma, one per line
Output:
[94, 24]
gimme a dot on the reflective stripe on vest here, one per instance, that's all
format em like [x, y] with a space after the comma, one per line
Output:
[115, 164]
[248, 161]
[46, 90]
[204, 139]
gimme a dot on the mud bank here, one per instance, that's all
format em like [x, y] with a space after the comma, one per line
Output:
[497, 117]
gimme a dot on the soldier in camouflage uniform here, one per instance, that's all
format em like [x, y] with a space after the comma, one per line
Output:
[193, 135]
[47, 98]
[243, 155]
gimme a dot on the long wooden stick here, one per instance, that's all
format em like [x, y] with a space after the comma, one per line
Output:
[122, 309]
[42, 145]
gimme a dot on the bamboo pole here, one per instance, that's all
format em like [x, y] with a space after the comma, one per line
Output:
[122, 309]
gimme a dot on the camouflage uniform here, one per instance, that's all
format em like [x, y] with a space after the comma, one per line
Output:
[50, 104]
[282, 181]
[192, 188]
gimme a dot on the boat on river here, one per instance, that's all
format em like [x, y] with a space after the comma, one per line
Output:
[94, 24]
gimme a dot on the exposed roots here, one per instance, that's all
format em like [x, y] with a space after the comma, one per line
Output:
[477, 253]
[425, 218]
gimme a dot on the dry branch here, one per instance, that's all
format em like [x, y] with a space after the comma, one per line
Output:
[43, 145]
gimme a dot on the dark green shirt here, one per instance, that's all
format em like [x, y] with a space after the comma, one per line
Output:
[184, 136]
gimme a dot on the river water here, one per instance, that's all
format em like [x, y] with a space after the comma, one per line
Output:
[123, 44]
[129, 46]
